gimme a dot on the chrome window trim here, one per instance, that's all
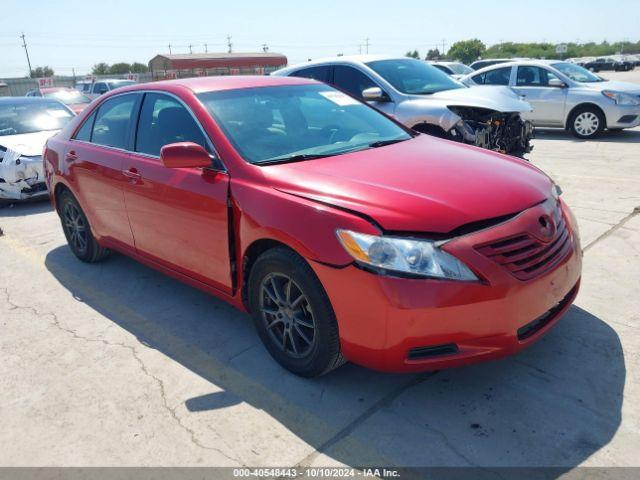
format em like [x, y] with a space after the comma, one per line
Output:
[215, 155]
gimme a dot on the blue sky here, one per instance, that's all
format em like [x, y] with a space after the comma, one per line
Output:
[78, 34]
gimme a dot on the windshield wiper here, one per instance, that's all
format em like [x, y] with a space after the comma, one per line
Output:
[293, 158]
[382, 143]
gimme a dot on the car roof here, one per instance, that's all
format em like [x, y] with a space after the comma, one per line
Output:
[533, 62]
[57, 89]
[212, 84]
[343, 59]
[26, 100]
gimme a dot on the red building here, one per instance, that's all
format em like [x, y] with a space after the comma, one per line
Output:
[209, 64]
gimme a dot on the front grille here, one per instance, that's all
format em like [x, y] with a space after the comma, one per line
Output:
[527, 257]
[531, 328]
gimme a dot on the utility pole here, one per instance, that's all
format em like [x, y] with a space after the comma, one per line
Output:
[366, 44]
[265, 47]
[169, 49]
[206, 49]
[229, 44]
[24, 44]
[190, 49]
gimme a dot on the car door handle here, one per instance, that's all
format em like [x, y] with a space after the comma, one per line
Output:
[132, 174]
[71, 156]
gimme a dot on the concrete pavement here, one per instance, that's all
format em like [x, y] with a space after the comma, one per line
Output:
[115, 364]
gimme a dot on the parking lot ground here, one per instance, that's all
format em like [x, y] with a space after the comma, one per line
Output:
[115, 364]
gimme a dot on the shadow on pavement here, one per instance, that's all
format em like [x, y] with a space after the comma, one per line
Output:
[621, 136]
[555, 404]
[30, 207]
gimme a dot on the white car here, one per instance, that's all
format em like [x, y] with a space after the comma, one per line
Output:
[566, 95]
[25, 125]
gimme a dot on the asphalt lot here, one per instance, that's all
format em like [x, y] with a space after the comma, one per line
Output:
[117, 365]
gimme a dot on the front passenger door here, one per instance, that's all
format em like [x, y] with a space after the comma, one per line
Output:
[178, 215]
[548, 102]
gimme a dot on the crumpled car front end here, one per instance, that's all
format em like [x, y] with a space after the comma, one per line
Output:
[21, 176]
[487, 117]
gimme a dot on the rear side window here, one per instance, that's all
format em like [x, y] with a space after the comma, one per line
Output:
[164, 120]
[316, 73]
[113, 122]
[499, 76]
[84, 133]
[351, 80]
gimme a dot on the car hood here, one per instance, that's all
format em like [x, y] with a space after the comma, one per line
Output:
[421, 185]
[498, 98]
[615, 86]
[28, 144]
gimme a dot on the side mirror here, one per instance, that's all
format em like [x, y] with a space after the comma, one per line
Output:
[557, 83]
[184, 155]
[375, 94]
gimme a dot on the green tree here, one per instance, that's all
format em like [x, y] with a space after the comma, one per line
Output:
[100, 69]
[466, 51]
[40, 72]
[119, 68]
[137, 67]
[414, 54]
[433, 54]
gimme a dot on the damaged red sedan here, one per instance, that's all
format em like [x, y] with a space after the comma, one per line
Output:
[344, 234]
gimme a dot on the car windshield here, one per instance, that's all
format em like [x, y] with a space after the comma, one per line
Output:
[68, 97]
[413, 76]
[293, 123]
[577, 73]
[120, 83]
[460, 68]
[29, 117]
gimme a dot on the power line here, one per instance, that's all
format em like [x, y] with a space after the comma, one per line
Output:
[24, 44]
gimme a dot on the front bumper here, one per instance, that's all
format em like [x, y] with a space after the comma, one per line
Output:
[384, 320]
[629, 114]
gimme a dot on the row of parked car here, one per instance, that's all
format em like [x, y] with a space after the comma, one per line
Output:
[495, 107]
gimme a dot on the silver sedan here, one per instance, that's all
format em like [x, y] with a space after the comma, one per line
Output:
[566, 95]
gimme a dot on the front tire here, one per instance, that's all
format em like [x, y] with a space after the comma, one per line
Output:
[293, 315]
[77, 230]
[586, 122]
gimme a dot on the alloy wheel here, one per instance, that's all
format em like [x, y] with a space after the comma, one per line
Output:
[287, 314]
[586, 124]
[75, 227]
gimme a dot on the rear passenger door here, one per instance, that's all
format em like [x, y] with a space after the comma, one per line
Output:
[178, 215]
[95, 159]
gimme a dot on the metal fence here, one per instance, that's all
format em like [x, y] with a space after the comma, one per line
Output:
[18, 87]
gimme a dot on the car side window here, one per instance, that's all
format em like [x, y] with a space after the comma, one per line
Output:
[533, 77]
[499, 76]
[114, 121]
[316, 73]
[351, 80]
[84, 133]
[100, 88]
[164, 120]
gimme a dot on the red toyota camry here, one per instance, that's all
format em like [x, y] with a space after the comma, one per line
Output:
[345, 235]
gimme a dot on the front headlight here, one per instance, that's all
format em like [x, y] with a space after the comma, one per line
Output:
[421, 258]
[621, 98]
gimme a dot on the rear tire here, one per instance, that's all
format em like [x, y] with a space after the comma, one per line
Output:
[78, 231]
[586, 122]
[293, 315]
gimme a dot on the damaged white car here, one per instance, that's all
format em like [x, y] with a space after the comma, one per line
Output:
[25, 125]
[428, 100]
